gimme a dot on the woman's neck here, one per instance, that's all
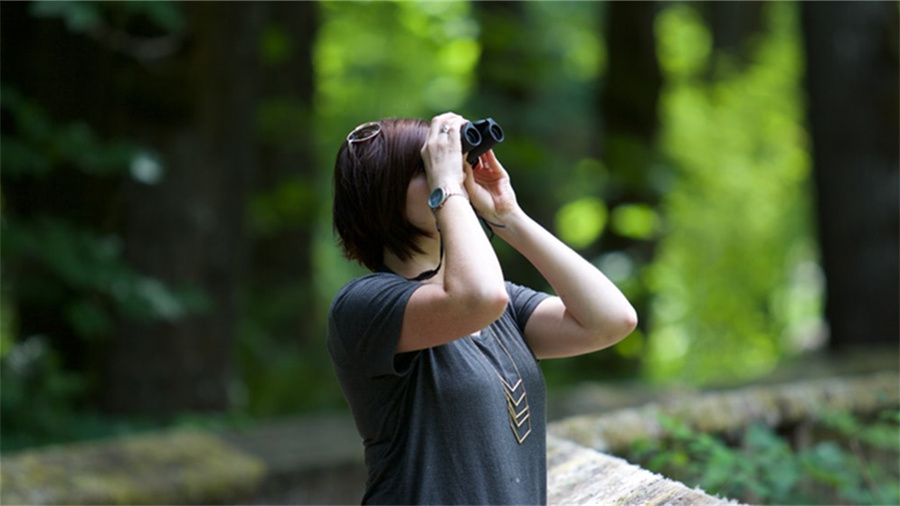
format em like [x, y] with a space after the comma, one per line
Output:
[418, 264]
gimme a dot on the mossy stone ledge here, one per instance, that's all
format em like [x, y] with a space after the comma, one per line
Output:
[179, 467]
[728, 411]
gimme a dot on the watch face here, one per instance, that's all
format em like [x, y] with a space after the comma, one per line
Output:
[436, 197]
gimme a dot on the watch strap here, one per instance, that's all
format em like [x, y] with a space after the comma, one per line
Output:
[446, 193]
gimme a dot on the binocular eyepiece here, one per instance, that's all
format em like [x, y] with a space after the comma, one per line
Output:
[480, 136]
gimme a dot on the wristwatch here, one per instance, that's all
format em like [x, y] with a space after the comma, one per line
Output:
[440, 195]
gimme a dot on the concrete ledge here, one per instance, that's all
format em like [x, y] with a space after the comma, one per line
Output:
[722, 412]
[164, 468]
[579, 475]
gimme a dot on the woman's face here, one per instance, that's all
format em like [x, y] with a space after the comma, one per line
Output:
[417, 210]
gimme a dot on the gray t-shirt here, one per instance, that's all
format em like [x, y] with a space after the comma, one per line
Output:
[437, 425]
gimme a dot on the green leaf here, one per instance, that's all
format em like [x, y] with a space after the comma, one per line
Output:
[78, 16]
[88, 319]
[276, 45]
[637, 221]
[581, 222]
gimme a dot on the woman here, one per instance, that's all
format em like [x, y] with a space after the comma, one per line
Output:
[436, 354]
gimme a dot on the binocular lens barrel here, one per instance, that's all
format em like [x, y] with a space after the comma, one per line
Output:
[480, 136]
[471, 137]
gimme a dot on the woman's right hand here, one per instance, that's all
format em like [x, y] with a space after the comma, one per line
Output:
[442, 152]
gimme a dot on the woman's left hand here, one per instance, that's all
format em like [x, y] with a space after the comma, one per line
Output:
[490, 190]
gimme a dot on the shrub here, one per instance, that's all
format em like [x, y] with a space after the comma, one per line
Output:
[846, 460]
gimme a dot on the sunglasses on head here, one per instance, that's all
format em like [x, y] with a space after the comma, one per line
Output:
[363, 133]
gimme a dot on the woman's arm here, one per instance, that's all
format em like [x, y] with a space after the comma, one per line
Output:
[469, 292]
[589, 313]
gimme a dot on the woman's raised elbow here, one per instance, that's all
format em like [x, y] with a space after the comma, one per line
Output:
[488, 304]
[629, 320]
[495, 302]
[616, 327]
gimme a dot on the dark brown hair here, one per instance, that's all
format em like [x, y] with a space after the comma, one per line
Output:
[370, 184]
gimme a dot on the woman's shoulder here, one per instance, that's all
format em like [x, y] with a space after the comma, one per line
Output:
[367, 288]
[373, 281]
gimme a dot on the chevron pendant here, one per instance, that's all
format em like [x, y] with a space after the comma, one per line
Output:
[516, 397]
[519, 417]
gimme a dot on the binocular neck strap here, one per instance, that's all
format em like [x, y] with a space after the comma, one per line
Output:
[431, 273]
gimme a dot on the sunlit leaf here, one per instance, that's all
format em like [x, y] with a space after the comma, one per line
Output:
[580, 223]
[637, 221]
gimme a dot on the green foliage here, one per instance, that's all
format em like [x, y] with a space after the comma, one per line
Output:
[735, 284]
[730, 293]
[89, 17]
[857, 462]
[38, 397]
[76, 266]
[637, 221]
[40, 145]
[421, 57]
[84, 272]
[580, 222]
[75, 271]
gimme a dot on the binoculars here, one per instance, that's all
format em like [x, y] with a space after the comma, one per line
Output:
[478, 137]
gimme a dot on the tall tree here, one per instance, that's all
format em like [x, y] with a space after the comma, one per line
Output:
[629, 97]
[190, 225]
[180, 80]
[508, 54]
[286, 201]
[733, 24]
[282, 313]
[852, 81]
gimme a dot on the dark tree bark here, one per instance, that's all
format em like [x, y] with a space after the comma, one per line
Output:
[733, 25]
[629, 98]
[508, 80]
[281, 266]
[192, 99]
[630, 93]
[189, 228]
[852, 82]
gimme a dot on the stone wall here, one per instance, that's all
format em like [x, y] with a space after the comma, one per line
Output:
[197, 468]
[318, 459]
[164, 468]
[731, 410]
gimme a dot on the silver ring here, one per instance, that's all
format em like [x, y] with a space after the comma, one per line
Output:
[445, 129]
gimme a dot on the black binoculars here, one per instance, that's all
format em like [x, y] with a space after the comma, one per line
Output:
[480, 136]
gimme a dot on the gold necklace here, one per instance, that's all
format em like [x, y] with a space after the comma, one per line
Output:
[519, 419]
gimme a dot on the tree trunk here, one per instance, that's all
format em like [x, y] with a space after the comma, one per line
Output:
[630, 93]
[629, 98]
[281, 250]
[508, 53]
[852, 81]
[733, 25]
[189, 228]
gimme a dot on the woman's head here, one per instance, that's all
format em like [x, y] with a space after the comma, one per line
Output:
[372, 172]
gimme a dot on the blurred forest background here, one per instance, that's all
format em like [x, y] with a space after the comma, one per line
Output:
[167, 248]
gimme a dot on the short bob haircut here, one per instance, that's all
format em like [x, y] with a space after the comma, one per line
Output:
[370, 186]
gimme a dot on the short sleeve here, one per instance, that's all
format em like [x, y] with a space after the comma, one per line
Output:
[522, 302]
[365, 321]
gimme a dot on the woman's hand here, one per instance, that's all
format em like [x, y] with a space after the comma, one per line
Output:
[442, 152]
[490, 190]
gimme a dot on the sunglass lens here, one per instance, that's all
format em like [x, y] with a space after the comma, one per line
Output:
[365, 132]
